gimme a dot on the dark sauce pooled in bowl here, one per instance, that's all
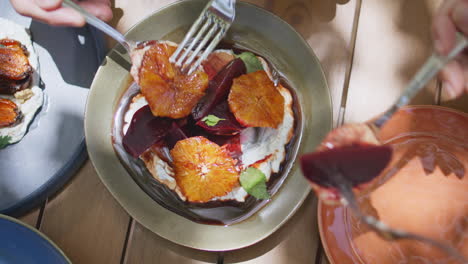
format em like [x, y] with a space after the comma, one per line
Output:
[213, 212]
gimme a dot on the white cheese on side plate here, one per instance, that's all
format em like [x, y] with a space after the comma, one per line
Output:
[35, 95]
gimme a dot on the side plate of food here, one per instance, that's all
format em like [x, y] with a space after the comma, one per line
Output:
[45, 74]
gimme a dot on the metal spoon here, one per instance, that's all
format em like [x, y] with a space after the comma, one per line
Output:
[101, 25]
[429, 69]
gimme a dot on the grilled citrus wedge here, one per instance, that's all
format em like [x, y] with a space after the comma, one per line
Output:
[203, 170]
[255, 101]
[14, 60]
[9, 113]
[15, 70]
[169, 92]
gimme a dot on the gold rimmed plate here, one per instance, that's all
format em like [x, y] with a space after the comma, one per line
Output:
[254, 29]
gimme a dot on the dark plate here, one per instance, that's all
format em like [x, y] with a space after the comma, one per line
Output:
[54, 148]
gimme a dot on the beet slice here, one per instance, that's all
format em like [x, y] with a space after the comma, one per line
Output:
[175, 134]
[357, 164]
[228, 124]
[215, 62]
[233, 146]
[218, 88]
[145, 130]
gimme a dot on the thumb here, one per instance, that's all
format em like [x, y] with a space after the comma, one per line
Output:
[453, 81]
[101, 10]
[48, 5]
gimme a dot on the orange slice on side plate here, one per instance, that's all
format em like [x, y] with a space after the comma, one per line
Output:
[169, 92]
[203, 169]
[255, 101]
[9, 113]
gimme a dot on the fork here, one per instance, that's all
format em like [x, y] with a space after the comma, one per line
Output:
[101, 25]
[216, 18]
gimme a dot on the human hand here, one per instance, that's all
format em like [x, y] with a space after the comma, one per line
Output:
[52, 12]
[452, 16]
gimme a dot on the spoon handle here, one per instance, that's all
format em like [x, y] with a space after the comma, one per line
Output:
[429, 69]
[99, 24]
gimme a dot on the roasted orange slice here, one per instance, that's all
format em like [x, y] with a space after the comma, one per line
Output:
[203, 169]
[14, 62]
[169, 92]
[9, 113]
[255, 101]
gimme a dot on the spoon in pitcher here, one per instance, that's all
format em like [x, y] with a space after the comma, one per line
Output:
[429, 69]
[358, 143]
[351, 157]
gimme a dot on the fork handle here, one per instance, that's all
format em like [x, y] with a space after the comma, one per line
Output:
[432, 66]
[99, 24]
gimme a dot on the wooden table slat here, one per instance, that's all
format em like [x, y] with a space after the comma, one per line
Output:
[31, 217]
[85, 220]
[392, 42]
[295, 243]
[147, 247]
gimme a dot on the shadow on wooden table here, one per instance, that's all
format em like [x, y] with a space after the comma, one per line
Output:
[303, 222]
[305, 16]
[393, 40]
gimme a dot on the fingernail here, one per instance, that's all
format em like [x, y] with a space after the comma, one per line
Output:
[447, 93]
[46, 3]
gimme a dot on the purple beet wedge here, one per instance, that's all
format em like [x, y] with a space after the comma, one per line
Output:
[350, 155]
[218, 88]
[145, 130]
[175, 134]
[356, 165]
[227, 124]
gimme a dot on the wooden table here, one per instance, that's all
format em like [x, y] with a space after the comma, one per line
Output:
[369, 49]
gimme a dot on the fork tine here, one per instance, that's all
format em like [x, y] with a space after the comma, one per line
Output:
[208, 50]
[194, 41]
[187, 37]
[201, 45]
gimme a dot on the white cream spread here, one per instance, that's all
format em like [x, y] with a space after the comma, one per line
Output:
[259, 143]
[267, 145]
[30, 106]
